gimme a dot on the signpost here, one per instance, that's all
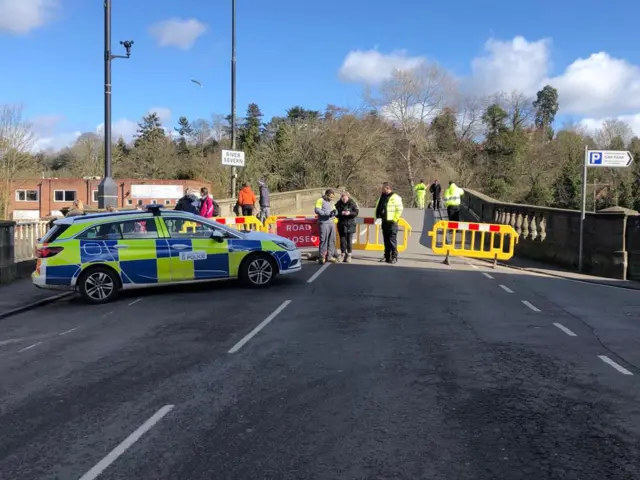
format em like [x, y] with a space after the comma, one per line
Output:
[596, 159]
[232, 158]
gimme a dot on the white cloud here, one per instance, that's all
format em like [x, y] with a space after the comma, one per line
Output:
[164, 114]
[593, 88]
[372, 67]
[19, 17]
[592, 124]
[178, 33]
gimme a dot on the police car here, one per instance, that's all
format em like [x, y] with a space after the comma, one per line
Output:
[104, 253]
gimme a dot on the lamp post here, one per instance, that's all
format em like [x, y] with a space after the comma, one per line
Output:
[234, 171]
[107, 189]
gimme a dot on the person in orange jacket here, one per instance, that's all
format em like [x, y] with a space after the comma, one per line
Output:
[246, 200]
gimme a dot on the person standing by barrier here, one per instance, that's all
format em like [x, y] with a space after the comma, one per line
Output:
[206, 203]
[436, 190]
[326, 212]
[420, 191]
[264, 200]
[389, 209]
[246, 200]
[347, 210]
[452, 197]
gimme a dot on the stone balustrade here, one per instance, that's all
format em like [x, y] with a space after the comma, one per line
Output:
[552, 235]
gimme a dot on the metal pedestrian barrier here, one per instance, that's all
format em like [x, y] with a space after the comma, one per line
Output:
[474, 240]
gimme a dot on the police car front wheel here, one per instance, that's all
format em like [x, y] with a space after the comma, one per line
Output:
[258, 270]
[99, 285]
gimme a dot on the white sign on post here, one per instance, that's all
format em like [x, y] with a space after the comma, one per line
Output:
[609, 158]
[232, 158]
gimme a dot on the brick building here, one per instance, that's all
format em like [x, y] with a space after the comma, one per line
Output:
[39, 197]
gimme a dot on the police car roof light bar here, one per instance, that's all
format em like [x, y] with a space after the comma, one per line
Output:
[155, 208]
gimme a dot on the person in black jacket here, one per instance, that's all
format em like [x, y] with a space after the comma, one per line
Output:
[189, 203]
[436, 190]
[347, 210]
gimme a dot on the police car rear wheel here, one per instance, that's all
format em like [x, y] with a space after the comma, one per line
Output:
[258, 271]
[99, 285]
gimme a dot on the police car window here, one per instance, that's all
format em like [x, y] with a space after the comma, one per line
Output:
[128, 230]
[181, 228]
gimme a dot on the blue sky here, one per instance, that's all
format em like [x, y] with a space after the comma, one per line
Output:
[291, 52]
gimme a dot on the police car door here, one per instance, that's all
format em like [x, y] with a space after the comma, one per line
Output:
[195, 255]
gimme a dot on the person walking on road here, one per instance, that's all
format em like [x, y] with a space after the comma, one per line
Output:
[420, 191]
[347, 211]
[452, 198]
[389, 209]
[246, 200]
[435, 189]
[326, 212]
[264, 200]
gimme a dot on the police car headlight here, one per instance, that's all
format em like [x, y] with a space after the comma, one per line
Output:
[286, 244]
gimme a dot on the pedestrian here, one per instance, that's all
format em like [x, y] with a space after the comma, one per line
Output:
[189, 202]
[326, 212]
[436, 190]
[347, 211]
[206, 203]
[420, 191]
[452, 197]
[76, 209]
[111, 209]
[264, 200]
[246, 200]
[389, 209]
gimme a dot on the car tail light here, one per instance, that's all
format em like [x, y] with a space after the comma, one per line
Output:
[46, 252]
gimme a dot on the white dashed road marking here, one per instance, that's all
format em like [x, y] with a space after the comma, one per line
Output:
[532, 307]
[487, 275]
[262, 324]
[135, 301]
[29, 347]
[506, 289]
[615, 365]
[319, 272]
[103, 464]
[68, 331]
[565, 330]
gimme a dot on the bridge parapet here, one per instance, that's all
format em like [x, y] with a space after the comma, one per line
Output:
[552, 235]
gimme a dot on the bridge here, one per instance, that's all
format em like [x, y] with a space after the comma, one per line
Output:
[368, 370]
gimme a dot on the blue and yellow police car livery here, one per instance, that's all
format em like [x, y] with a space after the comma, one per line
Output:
[103, 253]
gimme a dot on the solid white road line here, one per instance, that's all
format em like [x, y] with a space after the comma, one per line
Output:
[262, 324]
[319, 272]
[618, 367]
[102, 465]
[532, 307]
[68, 331]
[135, 301]
[487, 275]
[506, 289]
[29, 347]
[473, 266]
[565, 330]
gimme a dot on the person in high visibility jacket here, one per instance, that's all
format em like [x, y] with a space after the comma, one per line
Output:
[452, 198]
[420, 191]
[389, 209]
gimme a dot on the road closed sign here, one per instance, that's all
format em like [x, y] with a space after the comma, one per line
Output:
[301, 231]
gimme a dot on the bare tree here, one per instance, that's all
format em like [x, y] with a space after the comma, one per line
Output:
[88, 155]
[218, 127]
[410, 100]
[613, 134]
[16, 142]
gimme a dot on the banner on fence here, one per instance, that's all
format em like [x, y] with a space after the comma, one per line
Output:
[304, 232]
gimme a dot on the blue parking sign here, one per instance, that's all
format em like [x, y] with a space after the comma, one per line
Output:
[595, 158]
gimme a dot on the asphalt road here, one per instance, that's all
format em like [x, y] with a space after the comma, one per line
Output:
[366, 371]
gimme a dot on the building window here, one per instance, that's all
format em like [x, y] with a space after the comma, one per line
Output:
[64, 195]
[139, 202]
[94, 196]
[167, 202]
[26, 195]
[129, 201]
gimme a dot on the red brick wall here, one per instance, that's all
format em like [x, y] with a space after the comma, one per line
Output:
[84, 191]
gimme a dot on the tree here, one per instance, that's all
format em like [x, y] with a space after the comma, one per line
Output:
[87, 155]
[546, 106]
[613, 131]
[149, 130]
[409, 100]
[251, 129]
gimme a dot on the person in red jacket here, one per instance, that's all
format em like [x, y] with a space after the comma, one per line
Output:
[246, 200]
[206, 203]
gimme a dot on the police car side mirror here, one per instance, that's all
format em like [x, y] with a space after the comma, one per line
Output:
[218, 236]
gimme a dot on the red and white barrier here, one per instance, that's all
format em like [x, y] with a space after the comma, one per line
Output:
[474, 227]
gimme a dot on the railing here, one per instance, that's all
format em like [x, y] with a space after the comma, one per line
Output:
[26, 238]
